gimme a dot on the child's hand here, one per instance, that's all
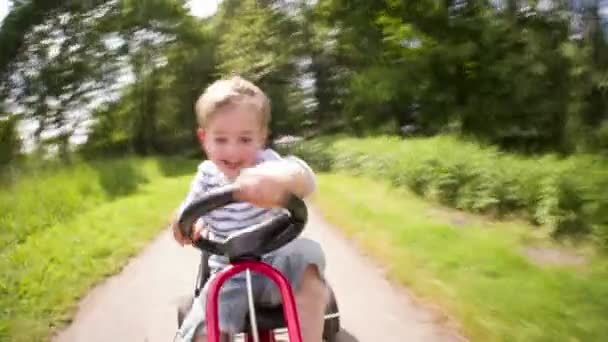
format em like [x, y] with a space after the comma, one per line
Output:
[265, 185]
[197, 230]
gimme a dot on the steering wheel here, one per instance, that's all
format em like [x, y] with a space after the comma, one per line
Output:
[251, 242]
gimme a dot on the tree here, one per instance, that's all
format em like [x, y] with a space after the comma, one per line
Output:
[259, 43]
[23, 17]
[172, 61]
[10, 143]
[60, 76]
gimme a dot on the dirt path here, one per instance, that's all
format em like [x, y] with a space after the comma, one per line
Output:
[139, 303]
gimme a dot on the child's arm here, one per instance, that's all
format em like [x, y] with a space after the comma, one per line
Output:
[301, 178]
[198, 229]
[267, 184]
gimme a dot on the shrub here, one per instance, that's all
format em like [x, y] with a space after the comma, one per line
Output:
[565, 194]
[314, 152]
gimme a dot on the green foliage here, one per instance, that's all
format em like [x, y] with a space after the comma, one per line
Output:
[45, 276]
[64, 63]
[602, 138]
[51, 195]
[249, 41]
[10, 143]
[564, 194]
[314, 152]
[66, 228]
[156, 113]
[23, 17]
[511, 77]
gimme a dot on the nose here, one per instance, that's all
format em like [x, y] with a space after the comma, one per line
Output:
[231, 150]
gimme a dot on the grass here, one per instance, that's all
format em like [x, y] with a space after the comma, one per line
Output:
[46, 271]
[474, 270]
[45, 196]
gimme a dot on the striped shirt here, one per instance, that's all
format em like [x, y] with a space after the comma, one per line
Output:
[236, 216]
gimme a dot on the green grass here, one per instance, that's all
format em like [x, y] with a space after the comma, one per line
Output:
[108, 212]
[43, 197]
[476, 272]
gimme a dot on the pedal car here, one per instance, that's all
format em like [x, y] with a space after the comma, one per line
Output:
[244, 250]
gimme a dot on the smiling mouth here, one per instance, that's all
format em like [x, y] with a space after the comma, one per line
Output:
[231, 165]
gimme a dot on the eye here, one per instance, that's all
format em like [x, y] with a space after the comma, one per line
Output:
[245, 140]
[221, 140]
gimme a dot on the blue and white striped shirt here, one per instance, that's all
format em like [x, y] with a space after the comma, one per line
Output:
[236, 216]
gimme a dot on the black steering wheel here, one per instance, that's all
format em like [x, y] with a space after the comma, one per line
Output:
[251, 242]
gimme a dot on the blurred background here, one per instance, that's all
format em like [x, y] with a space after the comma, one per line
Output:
[102, 76]
[494, 108]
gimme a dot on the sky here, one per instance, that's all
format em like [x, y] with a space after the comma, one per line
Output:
[3, 9]
[199, 8]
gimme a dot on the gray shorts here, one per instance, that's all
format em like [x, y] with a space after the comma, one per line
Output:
[291, 260]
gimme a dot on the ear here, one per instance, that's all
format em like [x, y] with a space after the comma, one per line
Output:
[200, 134]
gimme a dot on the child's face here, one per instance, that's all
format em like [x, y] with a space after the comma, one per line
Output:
[232, 138]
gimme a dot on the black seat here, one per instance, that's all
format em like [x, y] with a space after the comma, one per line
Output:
[267, 317]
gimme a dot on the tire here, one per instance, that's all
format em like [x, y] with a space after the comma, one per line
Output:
[185, 303]
[331, 327]
[203, 274]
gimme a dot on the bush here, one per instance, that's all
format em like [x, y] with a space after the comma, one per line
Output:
[314, 152]
[564, 194]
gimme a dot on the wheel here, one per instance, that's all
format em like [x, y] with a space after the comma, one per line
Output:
[183, 307]
[185, 303]
[204, 272]
[331, 326]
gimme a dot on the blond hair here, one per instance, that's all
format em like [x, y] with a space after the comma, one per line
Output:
[230, 91]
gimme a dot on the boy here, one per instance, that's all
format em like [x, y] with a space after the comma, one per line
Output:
[233, 116]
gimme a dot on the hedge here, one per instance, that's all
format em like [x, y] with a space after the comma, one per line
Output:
[565, 194]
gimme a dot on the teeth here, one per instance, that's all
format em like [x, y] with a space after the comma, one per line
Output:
[231, 165]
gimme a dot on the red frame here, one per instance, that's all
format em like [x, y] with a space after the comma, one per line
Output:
[289, 304]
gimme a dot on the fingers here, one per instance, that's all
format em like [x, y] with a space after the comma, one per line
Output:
[180, 238]
[261, 197]
[197, 229]
[261, 189]
[177, 235]
[245, 191]
[245, 188]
